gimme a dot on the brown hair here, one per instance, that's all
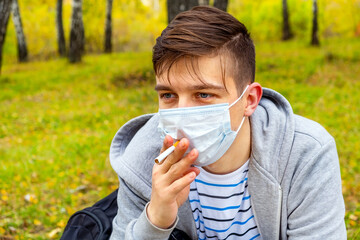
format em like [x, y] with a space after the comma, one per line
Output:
[206, 31]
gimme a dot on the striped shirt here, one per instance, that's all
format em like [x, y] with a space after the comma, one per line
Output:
[221, 206]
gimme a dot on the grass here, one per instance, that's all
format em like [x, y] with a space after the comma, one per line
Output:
[58, 120]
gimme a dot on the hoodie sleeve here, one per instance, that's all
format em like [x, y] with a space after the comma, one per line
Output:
[315, 202]
[131, 222]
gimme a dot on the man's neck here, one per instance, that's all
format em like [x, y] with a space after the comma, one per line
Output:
[236, 155]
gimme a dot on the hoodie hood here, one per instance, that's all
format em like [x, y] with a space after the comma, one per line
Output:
[272, 132]
[133, 150]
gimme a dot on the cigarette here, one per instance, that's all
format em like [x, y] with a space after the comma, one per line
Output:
[166, 153]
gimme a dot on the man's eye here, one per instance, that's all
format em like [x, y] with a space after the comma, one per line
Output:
[167, 95]
[204, 95]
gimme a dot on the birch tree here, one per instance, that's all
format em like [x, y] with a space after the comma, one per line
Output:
[21, 43]
[5, 8]
[286, 34]
[76, 33]
[314, 33]
[60, 29]
[108, 27]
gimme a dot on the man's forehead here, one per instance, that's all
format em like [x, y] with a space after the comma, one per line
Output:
[164, 86]
[203, 73]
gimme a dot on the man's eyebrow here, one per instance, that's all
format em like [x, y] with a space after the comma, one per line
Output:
[160, 87]
[207, 86]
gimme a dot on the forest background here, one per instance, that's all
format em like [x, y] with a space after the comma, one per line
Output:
[57, 119]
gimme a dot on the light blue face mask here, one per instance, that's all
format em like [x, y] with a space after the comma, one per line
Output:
[208, 129]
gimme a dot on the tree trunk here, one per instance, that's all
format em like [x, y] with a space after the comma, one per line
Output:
[314, 36]
[286, 26]
[108, 29]
[191, 3]
[174, 7]
[204, 2]
[221, 4]
[76, 33]
[21, 43]
[60, 29]
[5, 8]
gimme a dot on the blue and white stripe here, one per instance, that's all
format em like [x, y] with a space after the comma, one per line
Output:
[221, 206]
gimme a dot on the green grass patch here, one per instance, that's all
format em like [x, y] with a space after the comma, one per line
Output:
[58, 120]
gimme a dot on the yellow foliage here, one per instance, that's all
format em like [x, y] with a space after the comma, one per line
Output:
[31, 198]
[4, 197]
[137, 23]
[17, 178]
[69, 210]
[37, 222]
[134, 26]
[61, 224]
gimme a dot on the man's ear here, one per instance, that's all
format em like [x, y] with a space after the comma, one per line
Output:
[253, 98]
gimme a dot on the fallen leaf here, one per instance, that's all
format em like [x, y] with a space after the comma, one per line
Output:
[353, 217]
[53, 233]
[31, 198]
[37, 222]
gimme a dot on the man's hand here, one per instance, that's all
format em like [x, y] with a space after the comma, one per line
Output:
[171, 183]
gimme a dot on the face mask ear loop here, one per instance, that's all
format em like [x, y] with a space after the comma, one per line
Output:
[242, 121]
[239, 97]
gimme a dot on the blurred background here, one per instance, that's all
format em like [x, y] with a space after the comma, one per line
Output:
[72, 72]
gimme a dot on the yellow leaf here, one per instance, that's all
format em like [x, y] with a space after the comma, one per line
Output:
[17, 178]
[37, 222]
[2, 230]
[31, 198]
[61, 224]
[51, 184]
[53, 233]
[52, 218]
[4, 197]
[69, 210]
[353, 217]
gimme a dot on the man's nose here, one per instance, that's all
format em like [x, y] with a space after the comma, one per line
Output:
[185, 102]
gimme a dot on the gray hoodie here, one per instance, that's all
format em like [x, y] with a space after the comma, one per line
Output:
[294, 177]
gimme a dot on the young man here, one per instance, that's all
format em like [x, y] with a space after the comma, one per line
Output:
[245, 167]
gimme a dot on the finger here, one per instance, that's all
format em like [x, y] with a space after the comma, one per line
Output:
[178, 153]
[183, 167]
[192, 169]
[182, 183]
[168, 142]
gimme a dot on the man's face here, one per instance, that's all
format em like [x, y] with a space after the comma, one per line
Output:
[185, 89]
